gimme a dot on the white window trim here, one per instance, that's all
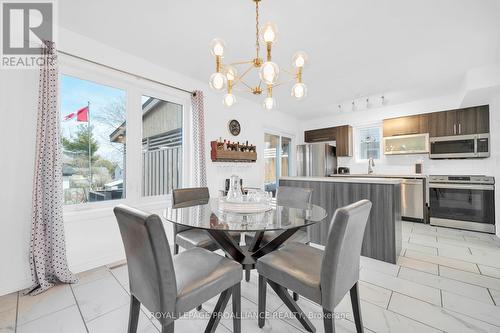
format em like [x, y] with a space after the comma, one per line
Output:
[356, 141]
[134, 88]
[291, 158]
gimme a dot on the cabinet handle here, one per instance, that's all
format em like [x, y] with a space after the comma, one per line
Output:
[454, 128]
[321, 139]
[460, 128]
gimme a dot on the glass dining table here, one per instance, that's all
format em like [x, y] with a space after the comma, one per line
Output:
[218, 223]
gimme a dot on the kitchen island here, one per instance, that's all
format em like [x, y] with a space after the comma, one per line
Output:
[383, 234]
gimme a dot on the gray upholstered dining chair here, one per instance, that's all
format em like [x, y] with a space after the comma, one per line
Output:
[187, 237]
[171, 286]
[289, 196]
[321, 276]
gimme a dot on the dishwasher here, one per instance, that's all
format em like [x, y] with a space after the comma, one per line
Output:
[413, 200]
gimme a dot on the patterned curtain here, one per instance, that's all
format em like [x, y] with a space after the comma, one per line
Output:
[47, 246]
[198, 115]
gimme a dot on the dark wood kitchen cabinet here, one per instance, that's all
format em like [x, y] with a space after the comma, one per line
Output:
[341, 134]
[473, 120]
[408, 125]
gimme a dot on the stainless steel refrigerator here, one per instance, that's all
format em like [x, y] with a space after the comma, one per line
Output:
[316, 159]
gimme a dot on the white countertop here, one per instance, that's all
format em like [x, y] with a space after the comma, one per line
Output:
[348, 179]
[377, 175]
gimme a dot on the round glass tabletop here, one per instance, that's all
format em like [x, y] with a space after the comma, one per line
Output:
[207, 214]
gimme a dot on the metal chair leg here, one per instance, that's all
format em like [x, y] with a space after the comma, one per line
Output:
[133, 319]
[176, 249]
[262, 301]
[218, 311]
[328, 321]
[356, 308]
[247, 275]
[198, 308]
[167, 328]
[237, 308]
[295, 296]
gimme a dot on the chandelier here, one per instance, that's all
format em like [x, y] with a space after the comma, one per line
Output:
[226, 77]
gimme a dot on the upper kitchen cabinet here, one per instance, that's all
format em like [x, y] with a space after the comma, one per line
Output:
[341, 134]
[416, 124]
[473, 120]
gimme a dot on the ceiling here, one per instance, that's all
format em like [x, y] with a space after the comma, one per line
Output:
[356, 47]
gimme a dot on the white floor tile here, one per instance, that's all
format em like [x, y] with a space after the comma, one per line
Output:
[64, 321]
[374, 294]
[379, 266]
[475, 309]
[422, 237]
[488, 259]
[418, 265]
[116, 321]
[477, 279]
[250, 290]
[454, 263]
[443, 283]
[421, 248]
[495, 294]
[52, 300]
[490, 271]
[381, 320]
[437, 317]
[8, 302]
[8, 321]
[121, 274]
[406, 287]
[99, 297]
[92, 275]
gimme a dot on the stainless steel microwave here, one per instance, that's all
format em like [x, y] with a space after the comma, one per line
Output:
[460, 146]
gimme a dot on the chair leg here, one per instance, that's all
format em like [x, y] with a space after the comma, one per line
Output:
[295, 296]
[237, 308]
[247, 274]
[167, 328]
[294, 308]
[262, 301]
[356, 308]
[328, 321]
[176, 249]
[218, 311]
[198, 308]
[133, 319]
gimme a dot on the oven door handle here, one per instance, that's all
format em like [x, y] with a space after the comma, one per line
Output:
[463, 186]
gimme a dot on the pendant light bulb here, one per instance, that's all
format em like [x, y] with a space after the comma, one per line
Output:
[299, 59]
[230, 72]
[299, 90]
[269, 103]
[217, 81]
[269, 33]
[269, 72]
[217, 47]
[229, 100]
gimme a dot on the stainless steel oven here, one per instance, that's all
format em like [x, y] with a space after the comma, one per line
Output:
[463, 202]
[460, 146]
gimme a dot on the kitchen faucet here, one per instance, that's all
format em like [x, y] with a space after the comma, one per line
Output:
[371, 164]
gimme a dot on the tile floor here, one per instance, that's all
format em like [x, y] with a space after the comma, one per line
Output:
[446, 281]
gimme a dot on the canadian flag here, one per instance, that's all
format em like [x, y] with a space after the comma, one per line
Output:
[81, 115]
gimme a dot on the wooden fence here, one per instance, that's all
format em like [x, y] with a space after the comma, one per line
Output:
[162, 171]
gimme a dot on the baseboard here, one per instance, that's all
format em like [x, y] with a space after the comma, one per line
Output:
[98, 262]
[8, 287]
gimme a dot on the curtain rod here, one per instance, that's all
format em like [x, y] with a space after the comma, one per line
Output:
[125, 72]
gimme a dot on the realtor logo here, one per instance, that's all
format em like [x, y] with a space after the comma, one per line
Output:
[25, 27]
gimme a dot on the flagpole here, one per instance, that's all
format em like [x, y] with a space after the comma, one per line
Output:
[90, 144]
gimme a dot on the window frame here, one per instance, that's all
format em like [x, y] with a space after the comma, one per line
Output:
[291, 157]
[357, 141]
[134, 89]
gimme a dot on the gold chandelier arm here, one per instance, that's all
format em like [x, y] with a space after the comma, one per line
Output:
[240, 77]
[240, 63]
[277, 84]
[247, 85]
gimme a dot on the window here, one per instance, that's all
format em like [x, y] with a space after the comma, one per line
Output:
[277, 162]
[368, 139]
[161, 146]
[93, 156]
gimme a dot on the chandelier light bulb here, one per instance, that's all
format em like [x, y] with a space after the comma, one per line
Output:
[217, 47]
[269, 72]
[229, 100]
[269, 103]
[230, 72]
[299, 90]
[299, 59]
[269, 33]
[217, 81]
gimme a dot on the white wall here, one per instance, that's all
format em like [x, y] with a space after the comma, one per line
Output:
[405, 164]
[92, 237]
